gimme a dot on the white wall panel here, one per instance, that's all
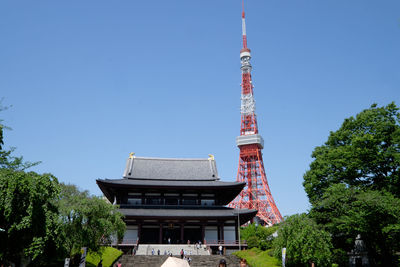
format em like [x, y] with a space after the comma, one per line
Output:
[229, 233]
[211, 233]
[130, 235]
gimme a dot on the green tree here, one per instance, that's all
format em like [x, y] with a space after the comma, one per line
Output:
[258, 236]
[39, 223]
[354, 184]
[346, 212]
[87, 221]
[304, 241]
[363, 153]
[28, 215]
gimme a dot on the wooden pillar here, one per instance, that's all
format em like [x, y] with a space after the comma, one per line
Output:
[160, 236]
[236, 230]
[203, 232]
[222, 232]
[182, 233]
[139, 232]
[219, 232]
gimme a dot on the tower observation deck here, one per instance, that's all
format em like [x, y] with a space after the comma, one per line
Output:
[256, 194]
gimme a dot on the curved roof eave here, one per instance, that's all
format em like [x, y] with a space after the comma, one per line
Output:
[227, 191]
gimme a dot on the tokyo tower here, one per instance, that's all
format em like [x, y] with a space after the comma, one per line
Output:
[256, 194]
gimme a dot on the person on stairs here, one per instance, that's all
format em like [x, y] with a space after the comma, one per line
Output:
[222, 263]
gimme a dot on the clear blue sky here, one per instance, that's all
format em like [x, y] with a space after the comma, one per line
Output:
[90, 81]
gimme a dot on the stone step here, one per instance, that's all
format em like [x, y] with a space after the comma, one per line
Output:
[174, 249]
[197, 260]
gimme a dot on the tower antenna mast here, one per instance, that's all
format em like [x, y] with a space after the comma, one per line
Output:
[256, 193]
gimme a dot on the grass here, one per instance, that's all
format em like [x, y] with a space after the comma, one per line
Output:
[258, 258]
[108, 254]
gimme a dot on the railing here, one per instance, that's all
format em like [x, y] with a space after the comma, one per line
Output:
[133, 242]
[224, 242]
[162, 206]
[125, 242]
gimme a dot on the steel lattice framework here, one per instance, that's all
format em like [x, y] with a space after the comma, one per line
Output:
[256, 194]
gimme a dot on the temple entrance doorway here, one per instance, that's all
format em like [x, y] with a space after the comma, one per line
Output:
[173, 233]
[170, 234]
[149, 235]
[193, 234]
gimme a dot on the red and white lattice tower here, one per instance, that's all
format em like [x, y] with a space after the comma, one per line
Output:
[256, 194]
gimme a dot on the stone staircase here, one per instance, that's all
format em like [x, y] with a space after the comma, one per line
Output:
[191, 250]
[142, 261]
[197, 260]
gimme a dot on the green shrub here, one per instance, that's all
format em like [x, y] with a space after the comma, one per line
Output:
[252, 242]
[263, 235]
[258, 258]
[304, 241]
[108, 254]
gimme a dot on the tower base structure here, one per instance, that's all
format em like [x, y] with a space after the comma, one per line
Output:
[256, 194]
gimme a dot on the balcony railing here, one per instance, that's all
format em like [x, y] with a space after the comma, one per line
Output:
[224, 242]
[133, 242]
[125, 242]
[160, 206]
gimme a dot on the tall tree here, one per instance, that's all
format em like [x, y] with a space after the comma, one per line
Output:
[28, 215]
[304, 241]
[260, 236]
[363, 153]
[87, 221]
[354, 184]
[39, 218]
[346, 212]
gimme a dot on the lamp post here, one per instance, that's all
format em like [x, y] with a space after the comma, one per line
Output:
[240, 248]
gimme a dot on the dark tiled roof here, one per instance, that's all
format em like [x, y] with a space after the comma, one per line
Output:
[171, 169]
[173, 183]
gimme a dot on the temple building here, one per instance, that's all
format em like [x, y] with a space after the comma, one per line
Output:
[170, 200]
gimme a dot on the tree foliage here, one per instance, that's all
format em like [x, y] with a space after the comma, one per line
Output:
[304, 241]
[87, 221]
[346, 212]
[354, 184]
[27, 214]
[41, 220]
[258, 236]
[363, 153]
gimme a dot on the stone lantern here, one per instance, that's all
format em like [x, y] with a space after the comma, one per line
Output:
[358, 257]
